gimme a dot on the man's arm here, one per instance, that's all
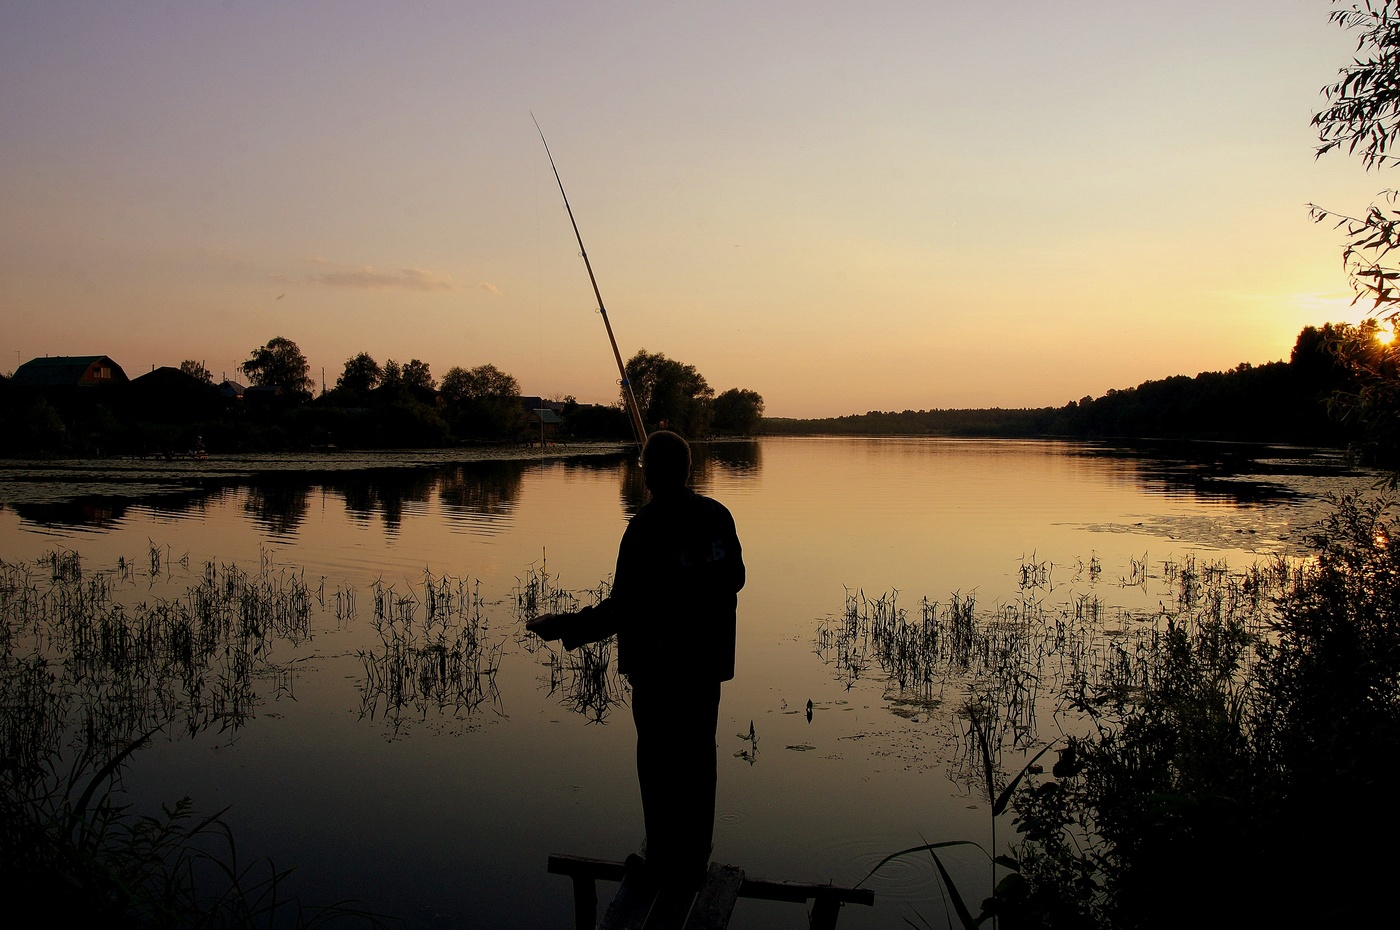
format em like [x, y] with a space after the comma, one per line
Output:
[578, 627]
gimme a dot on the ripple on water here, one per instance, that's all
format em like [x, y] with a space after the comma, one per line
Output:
[909, 885]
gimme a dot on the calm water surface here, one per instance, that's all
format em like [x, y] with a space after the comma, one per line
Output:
[446, 818]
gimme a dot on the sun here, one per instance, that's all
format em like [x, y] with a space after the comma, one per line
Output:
[1385, 336]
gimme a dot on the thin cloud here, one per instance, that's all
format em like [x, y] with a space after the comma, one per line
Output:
[1342, 305]
[366, 278]
[490, 288]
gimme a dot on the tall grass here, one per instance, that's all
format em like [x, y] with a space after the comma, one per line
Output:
[87, 679]
[1063, 655]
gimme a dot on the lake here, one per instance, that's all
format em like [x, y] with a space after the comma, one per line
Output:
[441, 807]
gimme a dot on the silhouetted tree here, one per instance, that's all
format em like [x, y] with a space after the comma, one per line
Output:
[361, 375]
[738, 411]
[1369, 397]
[280, 364]
[671, 394]
[460, 384]
[196, 370]
[392, 375]
[1363, 117]
[411, 379]
[416, 375]
[483, 402]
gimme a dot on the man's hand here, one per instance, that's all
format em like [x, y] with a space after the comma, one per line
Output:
[548, 627]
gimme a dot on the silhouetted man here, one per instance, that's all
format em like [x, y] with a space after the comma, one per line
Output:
[672, 606]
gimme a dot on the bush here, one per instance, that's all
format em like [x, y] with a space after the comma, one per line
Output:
[1243, 784]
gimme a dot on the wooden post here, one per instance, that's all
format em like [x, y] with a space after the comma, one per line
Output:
[585, 903]
[825, 910]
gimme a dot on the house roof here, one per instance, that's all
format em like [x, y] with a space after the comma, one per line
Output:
[170, 378]
[62, 370]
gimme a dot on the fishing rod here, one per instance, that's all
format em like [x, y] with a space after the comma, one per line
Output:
[636, 414]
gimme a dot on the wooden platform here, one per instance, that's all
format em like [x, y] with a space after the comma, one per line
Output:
[637, 907]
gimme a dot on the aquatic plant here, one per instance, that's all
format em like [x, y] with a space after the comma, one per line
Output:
[87, 679]
[586, 678]
[1225, 750]
[444, 661]
[1087, 665]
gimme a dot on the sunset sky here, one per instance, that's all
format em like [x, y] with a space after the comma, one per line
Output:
[842, 206]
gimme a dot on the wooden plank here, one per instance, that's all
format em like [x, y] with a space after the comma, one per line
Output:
[632, 903]
[715, 903]
[801, 892]
[608, 870]
[669, 910]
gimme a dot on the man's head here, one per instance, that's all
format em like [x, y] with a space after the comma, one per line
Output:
[665, 462]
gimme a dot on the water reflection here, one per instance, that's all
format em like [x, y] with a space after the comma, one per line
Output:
[481, 498]
[740, 457]
[709, 462]
[88, 513]
[632, 489]
[925, 516]
[1244, 473]
[279, 508]
[385, 494]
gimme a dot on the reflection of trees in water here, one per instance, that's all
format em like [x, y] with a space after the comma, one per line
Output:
[1237, 472]
[107, 512]
[737, 456]
[385, 493]
[92, 513]
[279, 507]
[197, 504]
[633, 487]
[708, 460]
[482, 495]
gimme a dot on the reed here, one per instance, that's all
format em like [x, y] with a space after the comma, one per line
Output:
[1074, 659]
[444, 661]
[89, 674]
[586, 678]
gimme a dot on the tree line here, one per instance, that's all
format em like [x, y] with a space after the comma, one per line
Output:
[1323, 395]
[392, 405]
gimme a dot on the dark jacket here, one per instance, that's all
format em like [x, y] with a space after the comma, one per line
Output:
[674, 594]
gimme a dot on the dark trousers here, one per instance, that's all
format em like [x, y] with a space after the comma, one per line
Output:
[676, 765]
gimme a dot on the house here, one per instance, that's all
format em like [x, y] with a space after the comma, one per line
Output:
[544, 415]
[262, 394]
[231, 390]
[168, 393]
[69, 371]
